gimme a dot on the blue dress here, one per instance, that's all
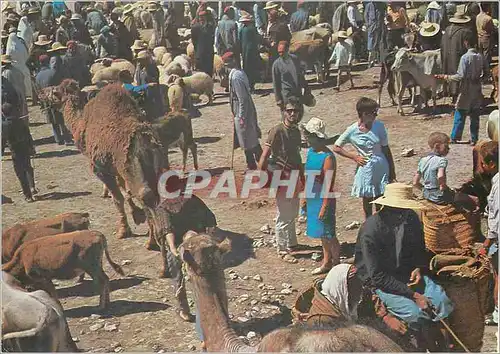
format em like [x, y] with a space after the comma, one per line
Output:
[370, 179]
[317, 228]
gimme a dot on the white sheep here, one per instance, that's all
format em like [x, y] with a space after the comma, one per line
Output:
[199, 83]
[158, 53]
[183, 61]
[166, 59]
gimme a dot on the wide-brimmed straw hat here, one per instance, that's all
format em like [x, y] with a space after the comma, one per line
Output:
[6, 6]
[399, 195]
[459, 17]
[57, 46]
[342, 34]
[428, 29]
[138, 45]
[7, 59]
[316, 126]
[143, 54]
[43, 40]
[271, 5]
[434, 5]
[33, 10]
[128, 8]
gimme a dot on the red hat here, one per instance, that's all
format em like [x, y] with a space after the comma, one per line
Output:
[226, 9]
[227, 57]
[71, 44]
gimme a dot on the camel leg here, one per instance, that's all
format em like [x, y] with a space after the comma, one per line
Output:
[400, 91]
[138, 214]
[112, 184]
[105, 191]
[194, 152]
[184, 150]
[151, 244]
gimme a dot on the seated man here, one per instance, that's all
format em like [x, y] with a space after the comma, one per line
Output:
[390, 258]
[138, 92]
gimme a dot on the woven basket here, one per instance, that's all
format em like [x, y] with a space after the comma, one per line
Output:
[302, 305]
[445, 227]
[467, 318]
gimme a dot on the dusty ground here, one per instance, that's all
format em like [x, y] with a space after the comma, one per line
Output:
[142, 304]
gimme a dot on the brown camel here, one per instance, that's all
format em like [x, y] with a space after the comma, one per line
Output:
[125, 153]
[203, 256]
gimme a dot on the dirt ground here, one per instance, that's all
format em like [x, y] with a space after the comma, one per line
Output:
[143, 306]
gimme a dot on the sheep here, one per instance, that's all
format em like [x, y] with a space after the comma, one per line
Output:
[166, 59]
[158, 53]
[175, 93]
[174, 68]
[106, 74]
[118, 64]
[190, 51]
[183, 61]
[199, 83]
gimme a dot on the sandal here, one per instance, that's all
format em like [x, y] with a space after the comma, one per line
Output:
[320, 270]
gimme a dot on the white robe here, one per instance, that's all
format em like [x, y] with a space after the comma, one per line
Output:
[17, 50]
[335, 289]
[26, 32]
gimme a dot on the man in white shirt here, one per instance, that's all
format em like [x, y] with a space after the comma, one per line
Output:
[342, 58]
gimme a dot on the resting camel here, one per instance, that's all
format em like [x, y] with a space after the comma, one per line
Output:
[203, 255]
[125, 153]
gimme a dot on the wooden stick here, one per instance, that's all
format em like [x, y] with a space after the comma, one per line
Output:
[451, 332]
[232, 146]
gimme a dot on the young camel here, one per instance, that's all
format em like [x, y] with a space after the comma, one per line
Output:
[124, 152]
[203, 258]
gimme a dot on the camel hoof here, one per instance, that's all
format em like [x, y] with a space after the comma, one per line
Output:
[139, 216]
[124, 233]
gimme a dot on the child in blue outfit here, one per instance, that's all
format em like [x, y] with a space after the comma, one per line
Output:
[432, 171]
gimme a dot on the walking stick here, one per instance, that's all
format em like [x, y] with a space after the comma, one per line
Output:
[445, 325]
[232, 146]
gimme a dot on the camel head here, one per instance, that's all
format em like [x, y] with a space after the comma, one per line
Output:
[202, 255]
[70, 90]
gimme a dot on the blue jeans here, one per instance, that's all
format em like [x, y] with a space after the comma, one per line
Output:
[407, 310]
[459, 123]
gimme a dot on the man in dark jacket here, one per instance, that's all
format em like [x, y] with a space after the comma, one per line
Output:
[123, 36]
[81, 33]
[76, 66]
[277, 31]
[202, 34]
[452, 49]
[299, 20]
[390, 258]
[18, 139]
[288, 79]
[227, 34]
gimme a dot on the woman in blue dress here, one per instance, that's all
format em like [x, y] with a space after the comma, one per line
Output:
[320, 170]
[374, 159]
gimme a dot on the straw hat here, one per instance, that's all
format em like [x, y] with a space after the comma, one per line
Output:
[246, 18]
[143, 54]
[6, 6]
[6, 59]
[492, 125]
[76, 17]
[316, 126]
[271, 5]
[428, 29]
[342, 34]
[33, 10]
[56, 46]
[459, 17]
[43, 40]
[138, 45]
[434, 5]
[349, 32]
[399, 195]
[128, 8]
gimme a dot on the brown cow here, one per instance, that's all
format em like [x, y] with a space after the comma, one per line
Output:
[314, 52]
[15, 236]
[63, 256]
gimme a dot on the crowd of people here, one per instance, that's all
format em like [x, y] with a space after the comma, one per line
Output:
[42, 46]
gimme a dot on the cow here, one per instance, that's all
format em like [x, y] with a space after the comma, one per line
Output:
[387, 75]
[313, 52]
[32, 321]
[422, 67]
[63, 256]
[15, 236]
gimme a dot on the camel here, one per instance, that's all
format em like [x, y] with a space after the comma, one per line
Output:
[125, 153]
[202, 256]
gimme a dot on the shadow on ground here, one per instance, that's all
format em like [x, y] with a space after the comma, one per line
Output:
[117, 308]
[44, 141]
[61, 195]
[60, 153]
[207, 139]
[265, 325]
[241, 247]
[87, 289]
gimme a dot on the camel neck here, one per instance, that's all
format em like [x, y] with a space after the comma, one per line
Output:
[219, 336]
